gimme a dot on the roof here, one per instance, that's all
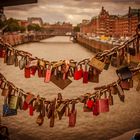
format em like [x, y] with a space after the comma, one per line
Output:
[133, 12]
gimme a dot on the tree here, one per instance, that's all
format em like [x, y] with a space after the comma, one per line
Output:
[34, 27]
[76, 29]
[12, 25]
[22, 29]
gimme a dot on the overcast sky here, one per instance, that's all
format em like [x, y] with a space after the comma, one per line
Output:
[69, 10]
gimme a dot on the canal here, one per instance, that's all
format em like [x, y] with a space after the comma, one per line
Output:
[122, 117]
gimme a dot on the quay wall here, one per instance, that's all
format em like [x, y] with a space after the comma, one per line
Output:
[17, 39]
[93, 45]
[96, 46]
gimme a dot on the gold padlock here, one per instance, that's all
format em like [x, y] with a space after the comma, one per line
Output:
[13, 102]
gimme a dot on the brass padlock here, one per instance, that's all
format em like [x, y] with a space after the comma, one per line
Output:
[97, 64]
[10, 58]
[13, 102]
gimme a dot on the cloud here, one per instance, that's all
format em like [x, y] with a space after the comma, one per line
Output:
[69, 10]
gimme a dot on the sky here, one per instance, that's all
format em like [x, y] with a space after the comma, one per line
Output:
[72, 11]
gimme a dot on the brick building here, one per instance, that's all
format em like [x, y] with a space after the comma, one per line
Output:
[58, 28]
[112, 25]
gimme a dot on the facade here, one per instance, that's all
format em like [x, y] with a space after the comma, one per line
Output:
[112, 25]
[24, 23]
[36, 20]
[58, 28]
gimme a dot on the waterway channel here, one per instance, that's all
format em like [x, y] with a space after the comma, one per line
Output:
[122, 117]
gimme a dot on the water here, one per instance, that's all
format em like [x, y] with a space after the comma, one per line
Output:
[121, 118]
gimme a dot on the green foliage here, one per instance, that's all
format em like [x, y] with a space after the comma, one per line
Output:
[76, 29]
[34, 27]
[22, 29]
[1, 24]
[12, 25]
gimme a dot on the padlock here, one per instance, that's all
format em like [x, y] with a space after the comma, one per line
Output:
[61, 110]
[33, 70]
[124, 73]
[43, 110]
[113, 90]
[27, 72]
[90, 103]
[6, 110]
[67, 110]
[114, 61]
[96, 109]
[120, 92]
[40, 120]
[48, 75]
[95, 76]
[130, 83]
[5, 55]
[107, 62]
[58, 80]
[22, 63]
[72, 116]
[94, 62]
[110, 98]
[41, 72]
[102, 104]
[29, 98]
[10, 58]
[41, 63]
[78, 74]
[53, 112]
[2, 52]
[65, 69]
[31, 109]
[85, 75]
[138, 86]
[16, 61]
[5, 90]
[125, 84]
[25, 106]
[33, 63]
[20, 101]
[2, 85]
[52, 119]
[13, 102]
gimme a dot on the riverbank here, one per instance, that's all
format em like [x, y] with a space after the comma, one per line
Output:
[96, 46]
[15, 39]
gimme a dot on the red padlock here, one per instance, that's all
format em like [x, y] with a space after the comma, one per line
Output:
[78, 74]
[25, 105]
[103, 105]
[27, 72]
[85, 77]
[2, 53]
[31, 110]
[96, 109]
[33, 70]
[47, 76]
[125, 84]
[90, 103]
